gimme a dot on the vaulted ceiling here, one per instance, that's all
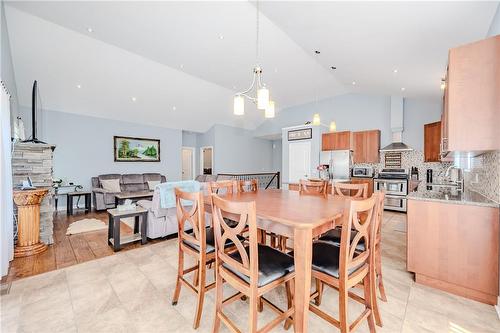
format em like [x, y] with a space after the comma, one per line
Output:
[182, 62]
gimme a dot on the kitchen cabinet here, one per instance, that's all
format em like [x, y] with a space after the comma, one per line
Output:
[366, 146]
[471, 101]
[337, 141]
[368, 181]
[432, 141]
[454, 247]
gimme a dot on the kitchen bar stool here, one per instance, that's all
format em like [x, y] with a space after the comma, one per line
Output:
[253, 270]
[344, 267]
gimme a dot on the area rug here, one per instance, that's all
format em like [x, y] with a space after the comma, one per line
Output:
[85, 225]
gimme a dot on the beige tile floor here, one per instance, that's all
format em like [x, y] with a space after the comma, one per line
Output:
[131, 292]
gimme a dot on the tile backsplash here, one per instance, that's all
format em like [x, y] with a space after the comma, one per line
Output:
[483, 175]
[414, 158]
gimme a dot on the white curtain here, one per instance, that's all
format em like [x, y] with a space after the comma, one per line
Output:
[6, 204]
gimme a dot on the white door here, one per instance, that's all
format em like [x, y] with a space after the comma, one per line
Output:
[299, 161]
[187, 164]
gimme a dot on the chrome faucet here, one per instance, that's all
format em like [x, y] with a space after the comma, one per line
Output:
[459, 183]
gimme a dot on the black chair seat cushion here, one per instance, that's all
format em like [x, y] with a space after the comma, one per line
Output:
[333, 237]
[273, 265]
[210, 238]
[326, 257]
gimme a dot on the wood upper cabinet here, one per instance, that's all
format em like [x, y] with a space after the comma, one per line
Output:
[366, 146]
[432, 142]
[472, 99]
[337, 141]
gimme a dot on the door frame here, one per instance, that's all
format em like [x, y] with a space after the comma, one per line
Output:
[193, 166]
[201, 158]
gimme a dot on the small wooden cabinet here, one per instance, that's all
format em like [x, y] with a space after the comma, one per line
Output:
[368, 181]
[366, 146]
[337, 141]
[471, 99]
[432, 141]
[454, 247]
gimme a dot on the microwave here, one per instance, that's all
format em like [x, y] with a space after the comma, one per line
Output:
[362, 172]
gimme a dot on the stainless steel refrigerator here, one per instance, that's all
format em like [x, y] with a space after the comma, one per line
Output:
[339, 163]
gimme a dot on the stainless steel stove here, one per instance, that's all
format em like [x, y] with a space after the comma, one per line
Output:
[394, 182]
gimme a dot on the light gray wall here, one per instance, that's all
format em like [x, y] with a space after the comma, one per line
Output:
[495, 24]
[350, 112]
[237, 150]
[277, 155]
[84, 147]
[358, 112]
[417, 113]
[6, 66]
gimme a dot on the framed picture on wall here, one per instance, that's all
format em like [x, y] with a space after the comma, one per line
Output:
[128, 149]
[300, 134]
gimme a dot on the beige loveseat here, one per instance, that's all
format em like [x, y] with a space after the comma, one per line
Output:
[103, 199]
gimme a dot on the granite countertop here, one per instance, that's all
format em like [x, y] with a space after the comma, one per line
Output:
[450, 195]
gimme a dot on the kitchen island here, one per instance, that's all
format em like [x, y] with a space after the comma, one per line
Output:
[453, 242]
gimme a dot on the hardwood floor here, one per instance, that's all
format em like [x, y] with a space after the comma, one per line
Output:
[69, 250]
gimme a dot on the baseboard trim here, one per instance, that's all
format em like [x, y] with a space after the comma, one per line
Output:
[497, 307]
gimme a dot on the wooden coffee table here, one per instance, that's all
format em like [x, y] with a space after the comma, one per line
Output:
[134, 196]
[141, 218]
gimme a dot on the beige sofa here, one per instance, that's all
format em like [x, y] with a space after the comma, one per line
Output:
[163, 221]
[129, 183]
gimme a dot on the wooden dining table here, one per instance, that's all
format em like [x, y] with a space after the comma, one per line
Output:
[300, 217]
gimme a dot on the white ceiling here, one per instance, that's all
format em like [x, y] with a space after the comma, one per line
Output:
[137, 49]
[367, 41]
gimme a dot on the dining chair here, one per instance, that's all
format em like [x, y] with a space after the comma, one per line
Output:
[333, 236]
[223, 186]
[313, 187]
[347, 189]
[251, 185]
[344, 267]
[199, 244]
[253, 269]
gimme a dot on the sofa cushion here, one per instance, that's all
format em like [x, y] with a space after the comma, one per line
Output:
[151, 177]
[109, 198]
[132, 178]
[109, 176]
[201, 178]
[211, 178]
[152, 184]
[111, 185]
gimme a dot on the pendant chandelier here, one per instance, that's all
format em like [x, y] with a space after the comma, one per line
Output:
[261, 98]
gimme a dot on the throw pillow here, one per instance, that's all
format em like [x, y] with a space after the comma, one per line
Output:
[111, 185]
[152, 184]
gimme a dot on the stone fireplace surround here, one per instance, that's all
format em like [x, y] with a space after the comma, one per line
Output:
[35, 160]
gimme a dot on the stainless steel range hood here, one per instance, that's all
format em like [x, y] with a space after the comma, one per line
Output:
[397, 111]
[396, 146]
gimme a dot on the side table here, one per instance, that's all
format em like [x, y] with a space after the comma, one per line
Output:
[71, 195]
[114, 216]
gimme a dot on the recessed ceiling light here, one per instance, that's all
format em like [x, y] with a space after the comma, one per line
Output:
[276, 70]
[182, 66]
[403, 89]
[333, 67]
[317, 52]
[353, 83]
[134, 99]
[89, 29]
[221, 37]
[395, 71]
[78, 86]
[174, 108]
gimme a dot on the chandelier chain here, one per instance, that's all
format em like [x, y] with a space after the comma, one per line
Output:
[257, 33]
